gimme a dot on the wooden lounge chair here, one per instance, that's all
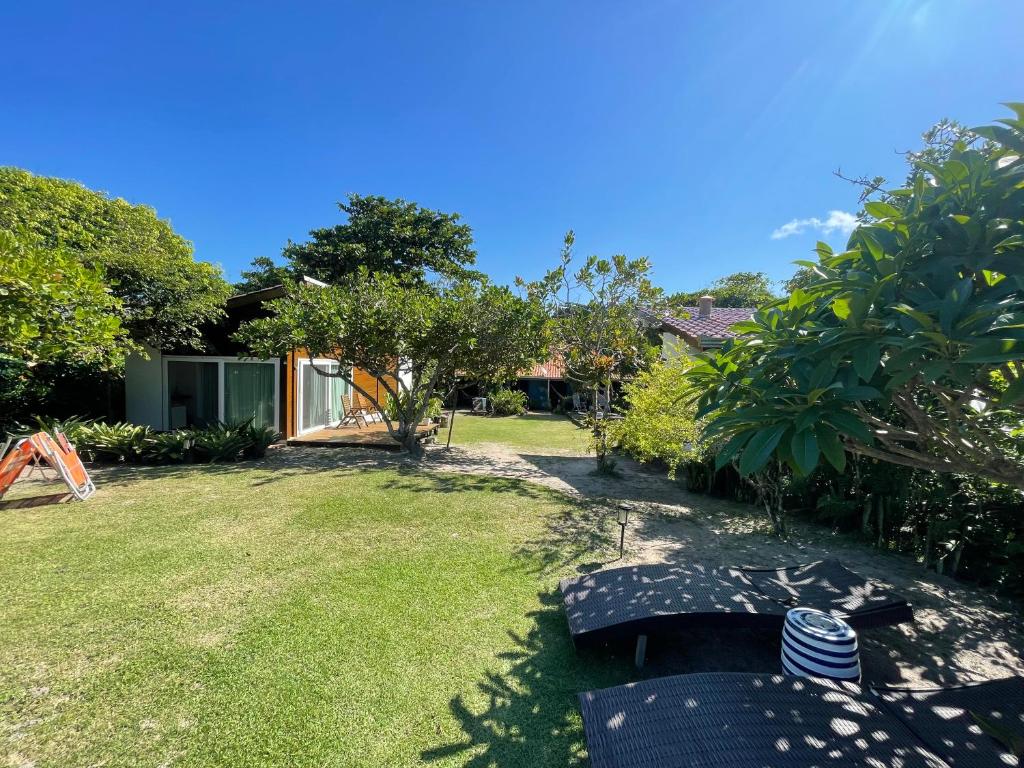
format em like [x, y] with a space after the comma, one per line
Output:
[635, 601]
[734, 719]
[364, 409]
[351, 413]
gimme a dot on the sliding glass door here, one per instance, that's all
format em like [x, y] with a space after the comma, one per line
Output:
[193, 394]
[319, 395]
[249, 393]
[201, 391]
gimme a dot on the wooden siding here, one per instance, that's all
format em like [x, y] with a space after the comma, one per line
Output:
[290, 390]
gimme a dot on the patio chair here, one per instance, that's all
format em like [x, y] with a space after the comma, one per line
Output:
[635, 601]
[364, 409]
[351, 414]
[737, 719]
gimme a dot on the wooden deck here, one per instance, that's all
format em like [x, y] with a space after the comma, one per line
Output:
[373, 435]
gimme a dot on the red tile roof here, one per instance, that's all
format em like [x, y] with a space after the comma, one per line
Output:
[550, 369]
[714, 327]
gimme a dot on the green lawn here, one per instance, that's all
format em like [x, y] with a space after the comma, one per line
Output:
[535, 431]
[237, 616]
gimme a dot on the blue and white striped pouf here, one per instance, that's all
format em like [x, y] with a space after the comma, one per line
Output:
[815, 644]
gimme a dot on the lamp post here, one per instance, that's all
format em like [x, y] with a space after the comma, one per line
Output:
[623, 518]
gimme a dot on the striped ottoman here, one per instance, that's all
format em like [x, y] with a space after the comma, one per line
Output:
[815, 644]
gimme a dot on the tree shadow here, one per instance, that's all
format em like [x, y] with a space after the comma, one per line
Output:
[531, 716]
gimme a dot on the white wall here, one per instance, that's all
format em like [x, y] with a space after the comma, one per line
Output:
[143, 389]
[672, 346]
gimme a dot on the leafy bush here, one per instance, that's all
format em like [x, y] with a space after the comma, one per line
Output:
[260, 438]
[509, 402]
[393, 408]
[659, 424]
[113, 442]
[222, 442]
[169, 447]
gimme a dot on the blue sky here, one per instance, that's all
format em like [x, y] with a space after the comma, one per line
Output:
[688, 133]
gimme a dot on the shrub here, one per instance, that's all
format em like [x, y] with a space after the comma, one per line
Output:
[169, 447]
[509, 402]
[659, 424]
[113, 442]
[222, 442]
[260, 438]
[434, 407]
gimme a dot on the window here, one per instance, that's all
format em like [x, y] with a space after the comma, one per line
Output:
[201, 391]
[320, 396]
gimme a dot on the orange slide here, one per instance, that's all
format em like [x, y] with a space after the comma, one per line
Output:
[58, 454]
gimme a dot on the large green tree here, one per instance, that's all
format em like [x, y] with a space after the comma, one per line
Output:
[740, 289]
[380, 236]
[166, 296]
[415, 337]
[907, 347]
[598, 314]
[54, 308]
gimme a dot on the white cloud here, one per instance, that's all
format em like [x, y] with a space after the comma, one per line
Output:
[837, 221]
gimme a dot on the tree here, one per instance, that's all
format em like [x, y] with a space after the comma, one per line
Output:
[908, 346]
[165, 295]
[414, 337]
[660, 424]
[740, 289]
[264, 273]
[52, 307]
[598, 324]
[390, 236]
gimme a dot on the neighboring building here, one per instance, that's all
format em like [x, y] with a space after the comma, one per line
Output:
[707, 327]
[545, 385]
[180, 388]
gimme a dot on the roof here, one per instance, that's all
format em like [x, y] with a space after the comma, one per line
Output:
[697, 329]
[549, 369]
[266, 294]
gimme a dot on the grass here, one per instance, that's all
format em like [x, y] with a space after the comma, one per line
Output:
[553, 433]
[236, 616]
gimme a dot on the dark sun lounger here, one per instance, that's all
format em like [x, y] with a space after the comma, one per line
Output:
[644, 599]
[729, 720]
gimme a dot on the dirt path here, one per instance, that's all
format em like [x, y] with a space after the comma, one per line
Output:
[960, 633]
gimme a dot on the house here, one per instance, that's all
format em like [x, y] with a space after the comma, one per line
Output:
[172, 389]
[706, 327]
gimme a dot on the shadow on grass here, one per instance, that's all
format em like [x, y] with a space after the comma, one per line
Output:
[531, 718]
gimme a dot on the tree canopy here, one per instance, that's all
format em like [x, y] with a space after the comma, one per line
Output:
[740, 289]
[598, 324]
[906, 347]
[165, 295]
[381, 236]
[53, 307]
[415, 337]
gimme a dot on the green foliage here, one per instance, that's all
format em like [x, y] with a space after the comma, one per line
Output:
[264, 273]
[221, 442]
[259, 439]
[113, 442]
[52, 307]
[659, 424]
[509, 402]
[895, 350]
[382, 236]
[165, 295]
[169, 447]
[415, 337]
[134, 444]
[597, 323]
[395, 408]
[740, 289]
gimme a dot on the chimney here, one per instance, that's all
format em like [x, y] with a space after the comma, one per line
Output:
[704, 310]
